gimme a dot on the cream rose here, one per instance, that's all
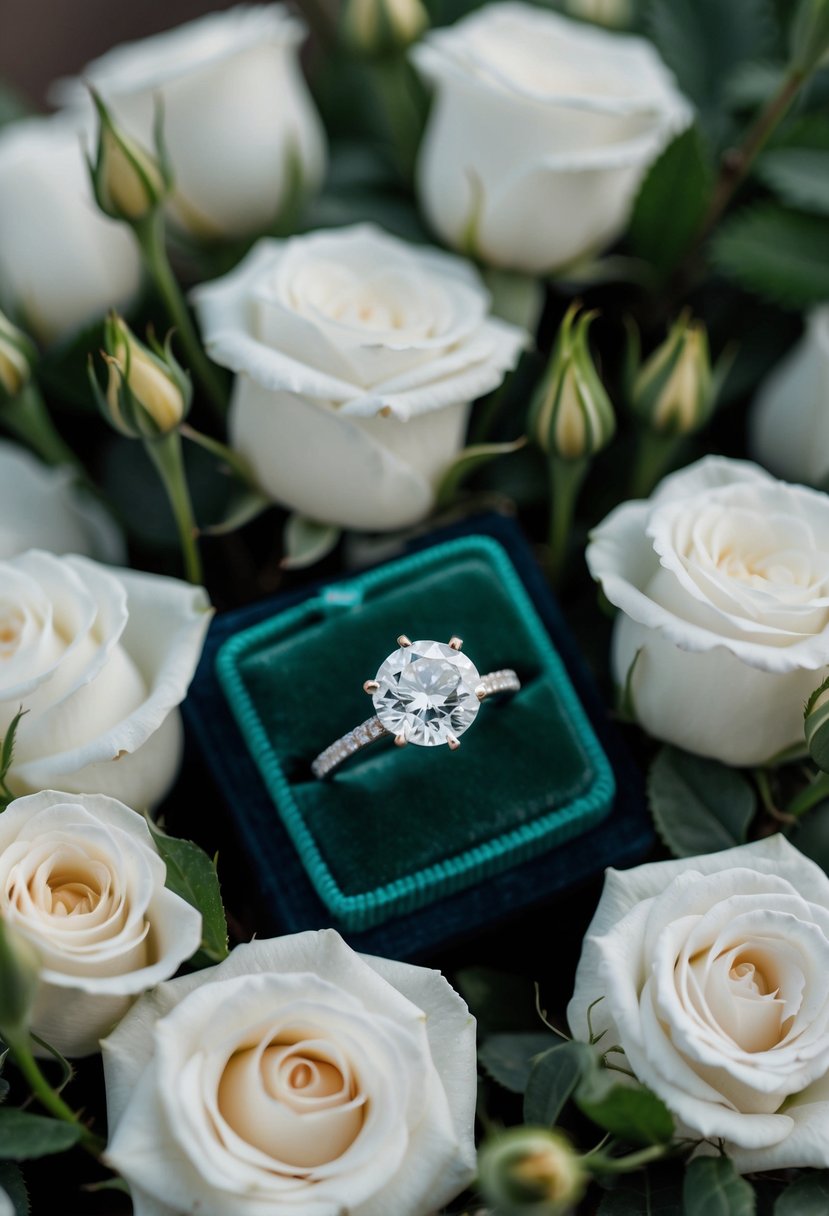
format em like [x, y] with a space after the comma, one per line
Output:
[712, 973]
[99, 658]
[237, 113]
[541, 131]
[359, 356]
[789, 423]
[62, 263]
[42, 508]
[81, 879]
[722, 579]
[297, 1076]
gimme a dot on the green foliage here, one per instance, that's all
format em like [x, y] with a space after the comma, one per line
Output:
[796, 168]
[509, 1058]
[624, 1108]
[306, 542]
[781, 255]
[698, 805]
[553, 1079]
[13, 1183]
[192, 875]
[806, 1196]
[672, 201]
[469, 461]
[24, 1136]
[811, 835]
[652, 1192]
[712, 1187]
[7, 756]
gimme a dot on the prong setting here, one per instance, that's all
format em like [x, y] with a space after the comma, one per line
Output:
[481, 692]
[400, 740]
[453, 742]
[371, 687]
[456, 643]
[404, 641]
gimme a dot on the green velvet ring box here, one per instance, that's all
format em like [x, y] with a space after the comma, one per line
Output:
[398, 828]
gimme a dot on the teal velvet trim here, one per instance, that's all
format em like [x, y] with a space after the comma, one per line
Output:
[395, 829]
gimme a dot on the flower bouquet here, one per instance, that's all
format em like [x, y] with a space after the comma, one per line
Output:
[281, 293]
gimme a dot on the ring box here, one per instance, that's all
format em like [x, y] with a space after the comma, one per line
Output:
[403, 849]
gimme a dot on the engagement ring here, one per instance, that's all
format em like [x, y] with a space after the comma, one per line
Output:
[426, 693]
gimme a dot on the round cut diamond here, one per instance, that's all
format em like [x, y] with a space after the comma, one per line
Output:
[427, 693]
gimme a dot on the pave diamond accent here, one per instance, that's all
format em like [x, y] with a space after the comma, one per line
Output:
[427, 693]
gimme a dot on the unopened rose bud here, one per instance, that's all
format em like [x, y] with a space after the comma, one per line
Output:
[674, 391]
[383, 27]
[810, 35]
[615, 13]
[571, 415]
[19, 981]
[129, 182]
[17, 356]
[148, 394]
[816, 724]
[530, 1171]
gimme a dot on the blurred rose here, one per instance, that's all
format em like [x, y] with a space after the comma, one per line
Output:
[789, 425]
[41, 507]
[99, 658]
[722, 579]
[295, 1077]
[81, 879]
[62, 263]
[541, 131]
[712, 974]
[236, 112]
[359, 357]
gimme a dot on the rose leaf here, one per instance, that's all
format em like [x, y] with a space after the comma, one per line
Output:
[781, 255]
[807, 1196]
[307, 542]
[653, 1192]
[630, 1111]
[23, 1136]
[509, 1058]
[192, 875]
[698, 805]
[553, 1078]
[13, 1183]
[672, 202]
[712, 1187]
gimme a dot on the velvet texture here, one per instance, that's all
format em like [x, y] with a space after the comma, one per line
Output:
[396, 829]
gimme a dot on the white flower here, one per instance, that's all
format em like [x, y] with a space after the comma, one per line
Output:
[81, 879]
[723, 582]
[712, 973]
[6, 1206]
[359, 357]
[541, 131]
[41, 507]
[296, 1077]
[237, 112]
[99, 658]
[789, 423]
[62, 263]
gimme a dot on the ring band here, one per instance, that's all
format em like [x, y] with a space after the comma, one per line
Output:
[426, 693]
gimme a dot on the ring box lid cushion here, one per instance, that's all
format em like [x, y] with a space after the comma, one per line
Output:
[396, 829]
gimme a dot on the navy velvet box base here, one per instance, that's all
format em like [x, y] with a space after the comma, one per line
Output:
[288, 901]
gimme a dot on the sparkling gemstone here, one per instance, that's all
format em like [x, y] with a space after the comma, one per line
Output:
[427, 693]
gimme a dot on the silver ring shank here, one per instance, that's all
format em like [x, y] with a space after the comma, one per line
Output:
[373, 729]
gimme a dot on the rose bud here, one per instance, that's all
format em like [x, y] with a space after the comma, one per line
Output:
[571, 415]
[382, 27]
[19, 981]
[129, 182]
[531, 1170]
[617, 14]
[148, 393]
[17, 356]
[674, 390]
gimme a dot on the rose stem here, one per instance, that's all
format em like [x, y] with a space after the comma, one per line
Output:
[165, 453]
[654, 456]
[221, 451]
[150, 234]
[28, 418]
[48, 1097]
[811, 796]
[600, 1163]
[566, 477]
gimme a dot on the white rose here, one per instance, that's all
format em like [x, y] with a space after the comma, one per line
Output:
[540, 133]
[712, 973]
[81, 879]
[6, 1206]
[99, 658]
[721, 577]
[789, 423]
[295, 1077]
[236, 112]
[41, 507]
[359, 357]
[62, 263]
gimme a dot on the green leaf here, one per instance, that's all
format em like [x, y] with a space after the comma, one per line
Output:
[24, 1136]
[811, 835]
[627, 1110]
[244, 506]
[14, 1184]
[553, 1078]
[807, 1196]
[781, 255]
[499, 1000]
[307, 542]
[192, 875]
[509, 1058]
[698, 805]
[796, 168]
[712, 1187]
[651, 1192]
[468, 461]
[7, 756]
[671, 203]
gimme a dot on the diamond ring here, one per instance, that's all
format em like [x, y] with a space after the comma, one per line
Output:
[426, 693]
